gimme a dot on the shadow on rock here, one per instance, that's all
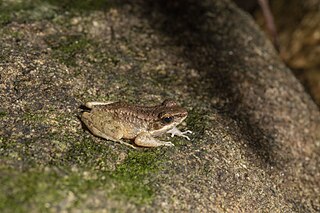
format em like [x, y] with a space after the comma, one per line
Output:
[205, 39]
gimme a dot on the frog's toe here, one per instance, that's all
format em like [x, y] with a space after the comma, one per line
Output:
[185, 136]
[127, 144]
[168, 144]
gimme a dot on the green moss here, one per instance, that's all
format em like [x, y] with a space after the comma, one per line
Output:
[36, 10]
[44, 189]
[87, 154]
[130, 179]
[24, 11]
[82, 5]
[197, 122]
[21, 191]
[66, 48]
[33, 116]
[71, 174]
[3, 114]
[133, 176]
[5, 18]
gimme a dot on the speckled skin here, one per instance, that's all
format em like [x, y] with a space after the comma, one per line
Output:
[114, 121]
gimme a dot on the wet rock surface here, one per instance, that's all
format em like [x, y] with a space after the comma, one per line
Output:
[255, 145]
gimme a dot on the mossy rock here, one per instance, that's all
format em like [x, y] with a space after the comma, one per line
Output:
[255, 142]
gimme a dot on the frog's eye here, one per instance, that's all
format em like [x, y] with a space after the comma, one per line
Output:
[167, 119]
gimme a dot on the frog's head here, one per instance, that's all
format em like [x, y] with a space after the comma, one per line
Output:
[169, 115]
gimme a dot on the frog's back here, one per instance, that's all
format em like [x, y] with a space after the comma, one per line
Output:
[134, 119]
[127, 121]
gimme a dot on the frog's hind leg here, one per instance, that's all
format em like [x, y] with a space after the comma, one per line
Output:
[145, 139]
[98, 133]
[113, 134]
[90, 105]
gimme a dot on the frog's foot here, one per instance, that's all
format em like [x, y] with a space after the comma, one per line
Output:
[127, 144]
[145, 139]
[175, 131]
[167, 143]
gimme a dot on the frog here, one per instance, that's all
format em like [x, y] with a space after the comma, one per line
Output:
[116, 121]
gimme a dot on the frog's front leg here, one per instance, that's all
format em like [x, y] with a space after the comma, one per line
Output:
[145, 139]
[175, 131]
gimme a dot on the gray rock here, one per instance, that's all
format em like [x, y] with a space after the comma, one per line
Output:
[255, 145]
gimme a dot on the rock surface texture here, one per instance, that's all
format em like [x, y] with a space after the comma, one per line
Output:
[256, 142]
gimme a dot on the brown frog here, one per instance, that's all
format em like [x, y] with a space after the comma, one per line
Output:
[118, 120]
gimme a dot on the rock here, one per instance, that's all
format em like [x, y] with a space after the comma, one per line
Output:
[255, 145]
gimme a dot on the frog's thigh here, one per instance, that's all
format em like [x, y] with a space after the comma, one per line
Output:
[112, 131]
[104, 128]
[145, 139]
